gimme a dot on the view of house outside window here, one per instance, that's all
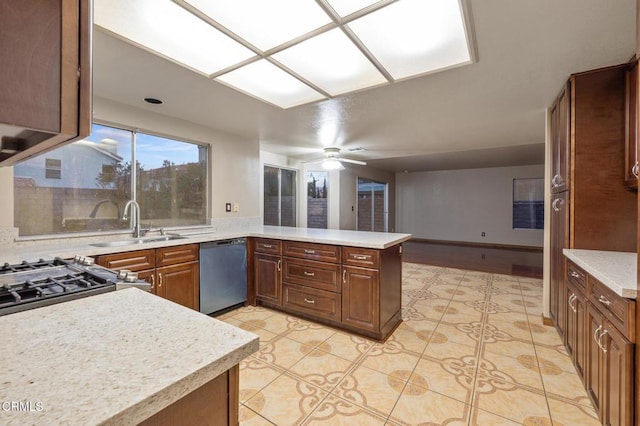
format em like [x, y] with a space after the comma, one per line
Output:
[83, 186]
[528, 203]
[317, 192]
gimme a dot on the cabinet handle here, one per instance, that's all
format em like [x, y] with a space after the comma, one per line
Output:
[556, 181]
[153, 282]
[600, 341]
[595, 335]
[267, 246]
[634, 170]
[279, 265]
[604, 300]
[309, 301]
[555, 203]
[344, 276]
[574, 274]
[309, 274]
[159, 279]
[308, 251]
[572, 298]
[359, 257]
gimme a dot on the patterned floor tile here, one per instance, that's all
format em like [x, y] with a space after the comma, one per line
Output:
[509, 400]
[564, 414]
[483, 418]
[283, 352]
[390, 360]
[321, 369]
[255, 375]
[248, 417]
[562, 385]
[336, 411]
[453, 377]
[346, 346]
[522, 369]
[286, 400]
[418, 405]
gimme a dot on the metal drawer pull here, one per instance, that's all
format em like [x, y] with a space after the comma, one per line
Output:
[344, 276]
[555, 203]
[600, 341]
[572, 298]
[279, 265]
[595, 335]
[556, 181]
[309, 301]
[634, 170]
[159, 280]
[309, 251]
[574, 274]
[604, 300]
[153, 282]
[357, 257]
[267, 246]
[309, 274]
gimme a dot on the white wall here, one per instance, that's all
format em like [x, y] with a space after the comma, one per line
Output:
[458, 205]
[235, 163]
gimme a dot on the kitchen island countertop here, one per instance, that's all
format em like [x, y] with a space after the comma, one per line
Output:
[616, 270]
[114, 358]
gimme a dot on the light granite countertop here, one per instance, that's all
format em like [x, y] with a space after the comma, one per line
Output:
[616, 270]
[69, 246]
[114, 358]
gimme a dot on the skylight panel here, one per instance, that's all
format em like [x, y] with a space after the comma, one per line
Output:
[265, 24]
[347, 7]
[331, 62]
[412, 37]
[266, 81]
[171, 31]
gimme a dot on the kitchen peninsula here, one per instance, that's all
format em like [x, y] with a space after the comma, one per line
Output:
[120, 358]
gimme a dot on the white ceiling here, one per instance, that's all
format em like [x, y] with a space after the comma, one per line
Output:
[482, 115]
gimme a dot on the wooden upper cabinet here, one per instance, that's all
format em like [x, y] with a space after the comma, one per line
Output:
[631, 127]
[45, 83]
[560, 140]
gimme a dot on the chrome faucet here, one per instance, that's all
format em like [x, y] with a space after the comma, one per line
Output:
[135, 222]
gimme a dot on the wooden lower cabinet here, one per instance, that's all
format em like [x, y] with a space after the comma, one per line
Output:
[360, 298]
[312, 301]
[267, 278]
[215, 404]
[576, 332]
[173, 271]
[610, 370]
[176, 283]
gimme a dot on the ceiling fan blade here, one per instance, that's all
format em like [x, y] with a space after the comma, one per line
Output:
[346, 160]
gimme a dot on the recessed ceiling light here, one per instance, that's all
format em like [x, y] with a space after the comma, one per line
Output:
[153, 101]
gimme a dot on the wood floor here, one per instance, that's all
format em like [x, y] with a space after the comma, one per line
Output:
[508, 261]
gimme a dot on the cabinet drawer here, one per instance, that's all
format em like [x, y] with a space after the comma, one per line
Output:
[133, 260]
[177, 254]
[312, 251]
[324, 276]
[577, 277]
[621, 312]
[264, 245]
[318, 303]
[364, 258]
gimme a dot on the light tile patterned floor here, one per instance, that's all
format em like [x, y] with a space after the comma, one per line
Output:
[470, 351]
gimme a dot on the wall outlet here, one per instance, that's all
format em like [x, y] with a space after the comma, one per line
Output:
[484, 234]
[236, 207]
[227, 207]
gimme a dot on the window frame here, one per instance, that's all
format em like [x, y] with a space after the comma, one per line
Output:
[296, 193]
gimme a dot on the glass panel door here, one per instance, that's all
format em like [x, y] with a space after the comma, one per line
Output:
[317, 207]
[279, 196]
[372, 205]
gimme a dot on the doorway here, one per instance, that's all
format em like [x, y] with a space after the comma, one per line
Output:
[372, 205]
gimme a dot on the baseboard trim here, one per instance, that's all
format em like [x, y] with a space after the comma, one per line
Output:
[546, 321]
[473, 244]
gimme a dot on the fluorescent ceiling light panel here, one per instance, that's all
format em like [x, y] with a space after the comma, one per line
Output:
[412, 37]
[266, 81]
[168, 29]
[332, 62]
[347, 7]
[265, 24]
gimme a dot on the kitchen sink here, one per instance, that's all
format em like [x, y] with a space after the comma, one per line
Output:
[133, 241]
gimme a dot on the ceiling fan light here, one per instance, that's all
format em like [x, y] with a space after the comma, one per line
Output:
[332, 164]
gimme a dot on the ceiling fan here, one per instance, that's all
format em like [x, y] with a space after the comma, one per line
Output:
[333, 161]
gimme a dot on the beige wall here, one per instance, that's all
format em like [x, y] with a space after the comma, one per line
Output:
[6, 194]
[235, 163]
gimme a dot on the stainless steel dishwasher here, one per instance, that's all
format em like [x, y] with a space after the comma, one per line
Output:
[223, 274]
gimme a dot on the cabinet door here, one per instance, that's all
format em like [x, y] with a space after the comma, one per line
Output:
[595, 359]
[576, 332]
[618, 378]
[559, 240]
[631, 128]
[361, 298]
[180, 284]
[560, 138]
[267, 278]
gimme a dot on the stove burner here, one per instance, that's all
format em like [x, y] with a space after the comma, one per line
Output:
[29, 285]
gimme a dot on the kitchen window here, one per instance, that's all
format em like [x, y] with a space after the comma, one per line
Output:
[98, 175]
[279, 196]
[317, 196]
[528, 203]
